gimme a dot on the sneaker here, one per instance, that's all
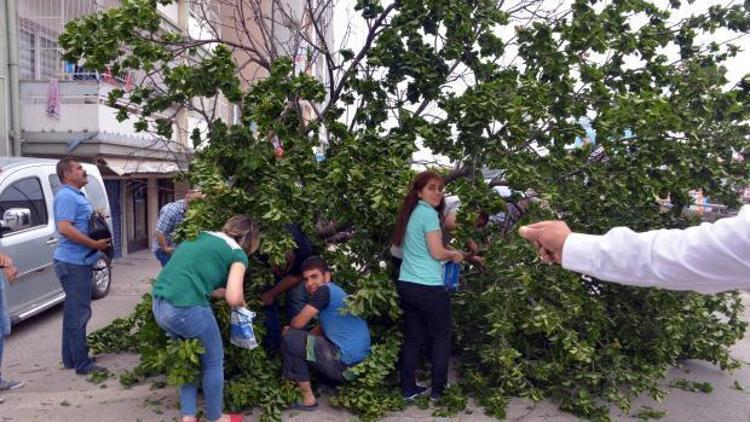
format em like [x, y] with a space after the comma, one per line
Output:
[416, 393]
[8, 385]
[435, 396]
[90, 369]
[91, 358]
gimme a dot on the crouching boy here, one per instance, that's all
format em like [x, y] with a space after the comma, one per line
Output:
[339, 341]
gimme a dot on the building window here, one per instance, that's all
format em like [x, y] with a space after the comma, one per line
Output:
[27, 55]
[166, 192]
[49, 59]
[39, 56]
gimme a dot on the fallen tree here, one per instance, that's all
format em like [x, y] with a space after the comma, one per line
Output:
[489, 85]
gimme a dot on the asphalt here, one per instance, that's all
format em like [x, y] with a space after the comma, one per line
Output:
[52, 393]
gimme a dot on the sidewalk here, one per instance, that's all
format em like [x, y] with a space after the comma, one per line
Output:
[54, 394]
[51, 393]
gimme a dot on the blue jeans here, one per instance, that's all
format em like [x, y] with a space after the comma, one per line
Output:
[162, 256]
[4, 318]
[196, 322]
[76, 282]
[296, 299]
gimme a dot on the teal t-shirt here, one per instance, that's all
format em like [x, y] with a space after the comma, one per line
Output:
[418, 265]
[197, 268]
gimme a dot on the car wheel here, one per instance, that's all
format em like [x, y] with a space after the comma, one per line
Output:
[102, 277]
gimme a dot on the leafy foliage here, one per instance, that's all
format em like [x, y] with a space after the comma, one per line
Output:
[488, 86]
[546, 328]
[451, 403]
[369, 395]
[695, 387]
[647, 413]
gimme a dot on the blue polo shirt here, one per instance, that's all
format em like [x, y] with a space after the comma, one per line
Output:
[348, 332]
[72, 205]
[418, 265]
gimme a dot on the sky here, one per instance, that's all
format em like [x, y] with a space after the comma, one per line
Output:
[737, 67]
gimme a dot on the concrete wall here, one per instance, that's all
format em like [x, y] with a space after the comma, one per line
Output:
[5, 103]
[235, 33]
[171, 12]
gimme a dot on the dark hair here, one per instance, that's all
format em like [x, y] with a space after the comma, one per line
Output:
[483, 216]
[314, 263]
[63, 166]
[410, 202]
[243, 230]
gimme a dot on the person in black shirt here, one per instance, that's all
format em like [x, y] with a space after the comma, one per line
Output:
[289, 281]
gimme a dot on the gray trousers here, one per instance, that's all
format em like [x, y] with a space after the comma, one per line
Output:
[302, 350]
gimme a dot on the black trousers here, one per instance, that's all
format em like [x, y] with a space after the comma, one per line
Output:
[427, 317]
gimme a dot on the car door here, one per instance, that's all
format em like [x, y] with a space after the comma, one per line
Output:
[30, 246]
[97, 194]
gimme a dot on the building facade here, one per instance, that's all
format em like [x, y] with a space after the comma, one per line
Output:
[60, 110]
[56, 109]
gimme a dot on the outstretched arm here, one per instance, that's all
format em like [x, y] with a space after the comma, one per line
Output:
[708, 258]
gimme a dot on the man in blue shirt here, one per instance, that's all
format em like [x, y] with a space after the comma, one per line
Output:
[339, 341]
[170, 217]
[74, 257]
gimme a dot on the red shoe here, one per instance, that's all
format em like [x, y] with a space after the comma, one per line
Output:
[236, 417]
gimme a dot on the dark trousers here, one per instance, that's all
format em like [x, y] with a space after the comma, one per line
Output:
[300, 349]
[296, 299]
[76, 282]
[162, 256]
[427, 317]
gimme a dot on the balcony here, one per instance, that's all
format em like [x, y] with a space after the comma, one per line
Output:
[86, 125]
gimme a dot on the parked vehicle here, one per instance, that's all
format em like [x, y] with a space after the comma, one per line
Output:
[28, 234]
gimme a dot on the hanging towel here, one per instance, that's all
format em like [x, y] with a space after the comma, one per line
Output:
[53, 99]
[108, 77]
[128, 81]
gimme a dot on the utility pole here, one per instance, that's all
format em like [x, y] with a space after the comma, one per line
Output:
[10, 107]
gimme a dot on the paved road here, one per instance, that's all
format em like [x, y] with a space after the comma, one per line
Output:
[51, 393]
[55, 394]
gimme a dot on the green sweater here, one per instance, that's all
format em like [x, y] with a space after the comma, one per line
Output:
[197, 268]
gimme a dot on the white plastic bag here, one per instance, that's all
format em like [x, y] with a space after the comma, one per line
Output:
[241, 328]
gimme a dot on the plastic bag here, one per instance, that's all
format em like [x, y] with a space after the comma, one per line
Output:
[99, 229]
[241, 328]
[451, 275]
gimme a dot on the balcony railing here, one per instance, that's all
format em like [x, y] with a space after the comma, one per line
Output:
[83, 107]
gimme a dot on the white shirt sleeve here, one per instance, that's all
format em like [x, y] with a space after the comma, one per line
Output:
[452, 204]
[708, 258]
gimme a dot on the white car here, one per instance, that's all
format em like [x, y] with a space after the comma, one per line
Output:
[28, 234]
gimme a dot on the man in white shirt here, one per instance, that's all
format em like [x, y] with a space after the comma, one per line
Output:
[708, 258]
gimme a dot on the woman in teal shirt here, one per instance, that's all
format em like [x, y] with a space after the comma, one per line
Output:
[423, 297]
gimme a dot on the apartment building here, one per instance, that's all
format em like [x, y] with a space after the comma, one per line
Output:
[55, 109]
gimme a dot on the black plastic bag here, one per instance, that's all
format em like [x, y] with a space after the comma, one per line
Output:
[99, 229]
